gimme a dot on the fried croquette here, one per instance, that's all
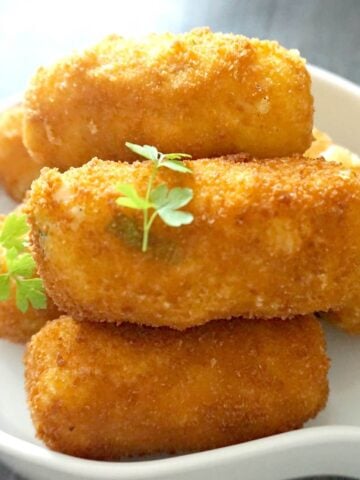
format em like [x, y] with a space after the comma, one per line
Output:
[16, 326]
[103, 391]
[273, 238]
[348, 317]
[323, 146]
[17, 169]
[202, 93]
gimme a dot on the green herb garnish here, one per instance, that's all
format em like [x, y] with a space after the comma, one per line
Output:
[160, 200]
[129, 230]
[20, 265]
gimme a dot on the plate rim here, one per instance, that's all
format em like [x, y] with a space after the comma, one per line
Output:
[332, 435]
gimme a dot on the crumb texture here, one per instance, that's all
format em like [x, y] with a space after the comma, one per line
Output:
[272, 238]
[106, 392]
[201, 93]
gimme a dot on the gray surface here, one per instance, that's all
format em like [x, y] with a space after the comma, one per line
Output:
[38, 31]
[327, 32]
[6, 474]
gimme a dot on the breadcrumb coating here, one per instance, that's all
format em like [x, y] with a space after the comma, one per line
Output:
[348, 317]
[17, 168]
[324, 146]
[105, 392]
[202, 93]
[273, 238]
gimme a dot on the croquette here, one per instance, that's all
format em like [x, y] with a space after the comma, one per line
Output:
[324, 146]
[102, 391]
[348, 317]
[274, 238]
[202, 93]
[17, 168]
[16, 326]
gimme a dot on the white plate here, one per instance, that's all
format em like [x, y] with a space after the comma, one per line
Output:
[328, 445]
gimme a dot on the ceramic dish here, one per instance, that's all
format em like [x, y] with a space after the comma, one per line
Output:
[328, 445]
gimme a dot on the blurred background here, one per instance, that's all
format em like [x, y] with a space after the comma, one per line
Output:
[37, 32]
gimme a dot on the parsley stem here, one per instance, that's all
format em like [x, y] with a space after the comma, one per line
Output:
[146, 223]
[145, 240]
[147, 230]
[168, 202]
[152, 218]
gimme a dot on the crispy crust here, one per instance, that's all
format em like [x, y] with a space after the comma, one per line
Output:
[17, 169]
[105, 392]
[323, 146]
[269, 239]
[16, 326]
[348, 317]
[203, 93]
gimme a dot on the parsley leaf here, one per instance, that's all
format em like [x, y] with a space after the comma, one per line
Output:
[179, 197]
[30, 291]
[4, 287]
[175, 165]
[175, 218]
[173, 162]
[165, 203]
[168, 211]
[20, 265]
[159, 195]
[131, 198]
[176, 156]
[146, 151]
[168, 202]
[13, 231]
